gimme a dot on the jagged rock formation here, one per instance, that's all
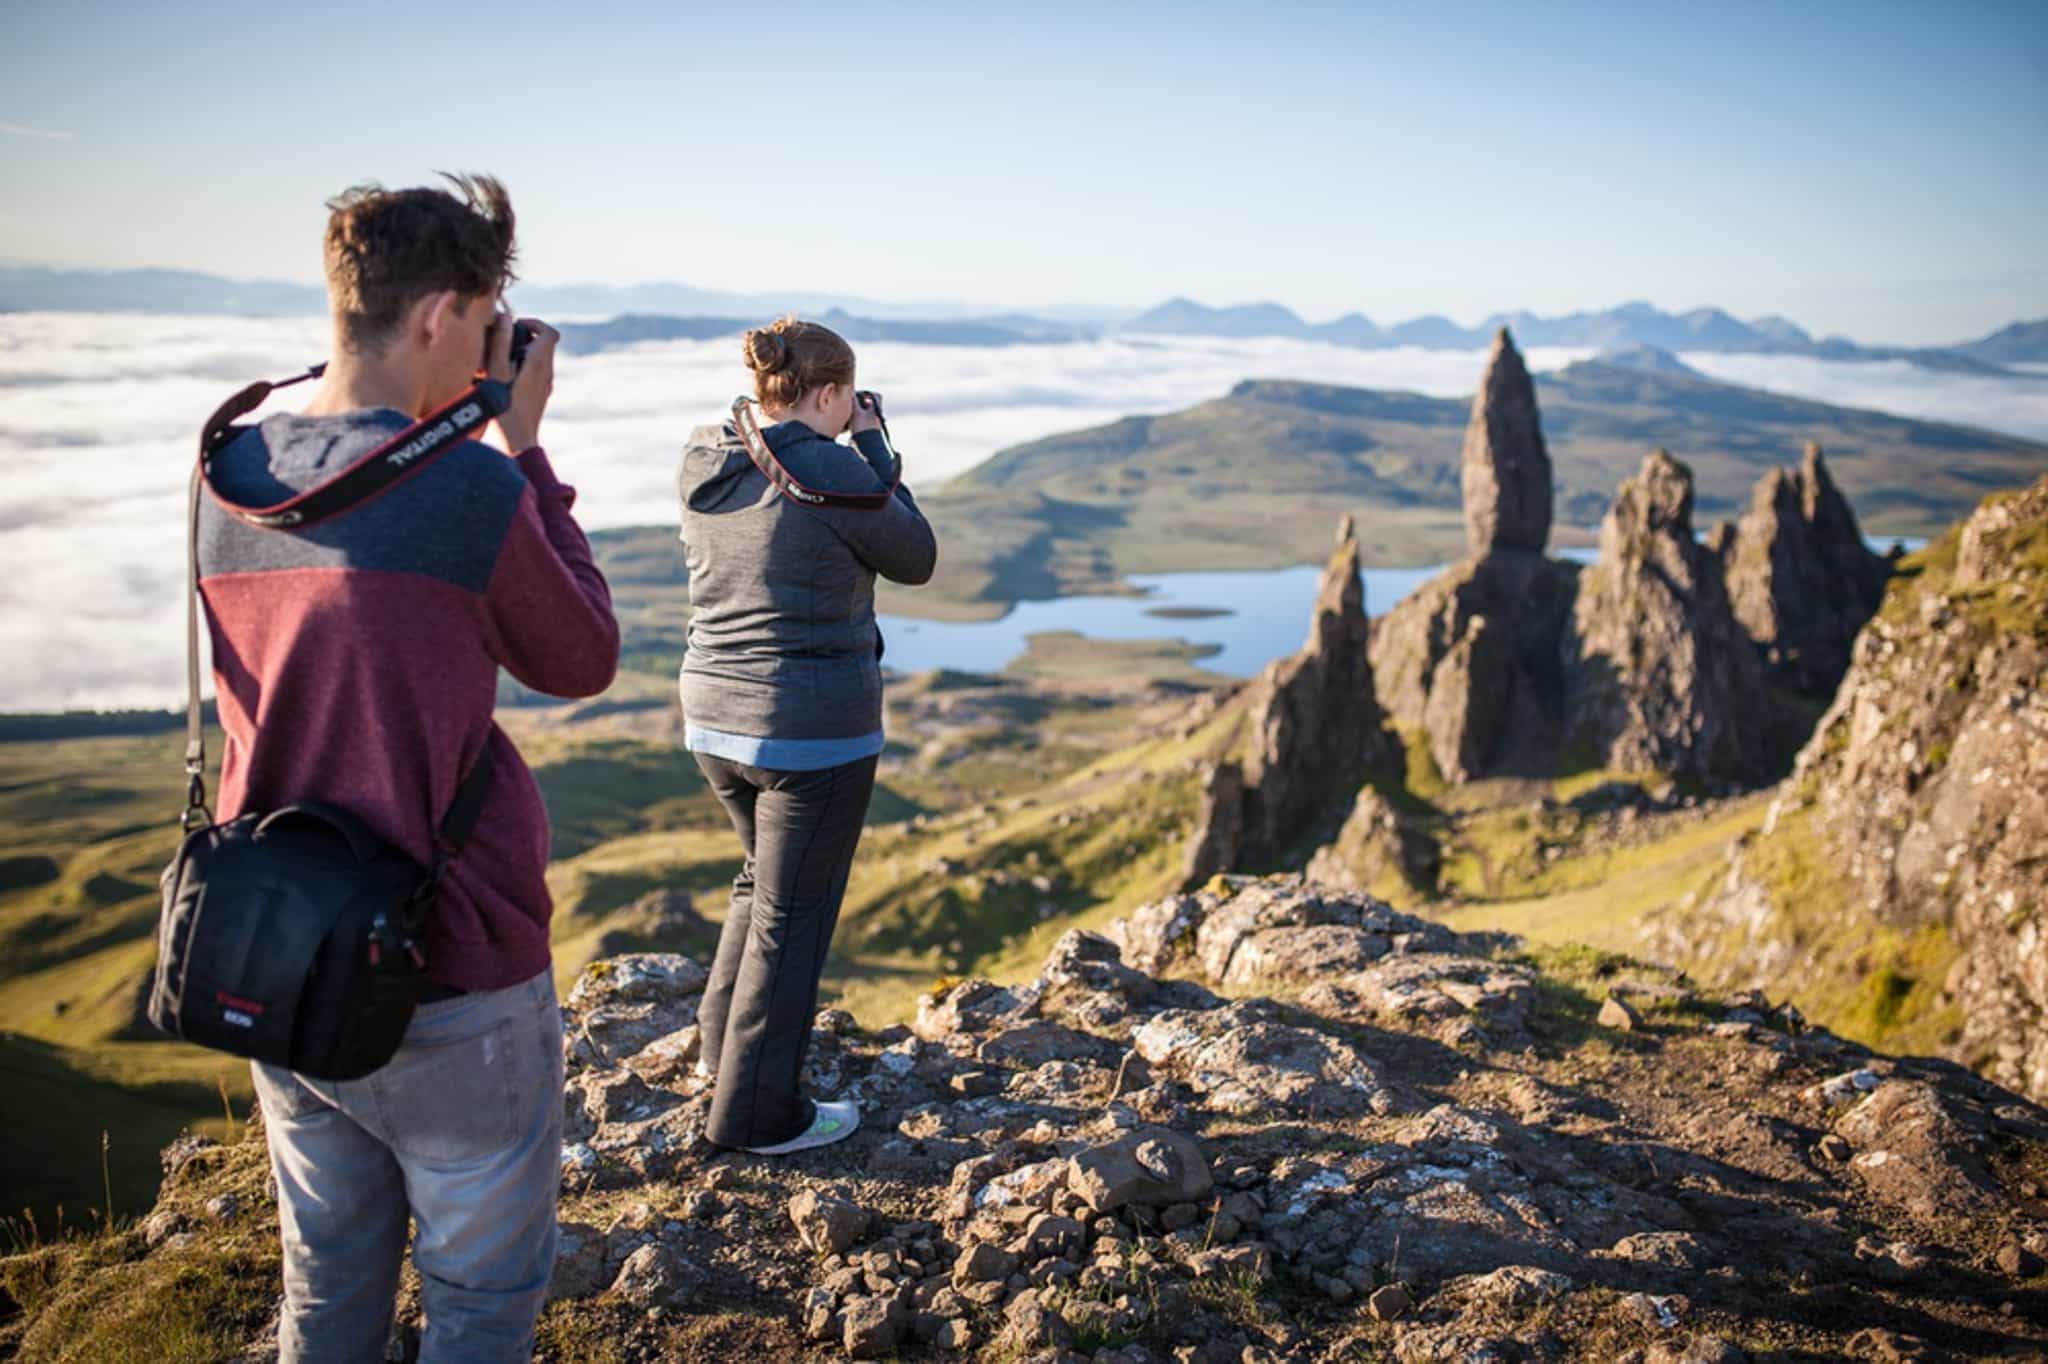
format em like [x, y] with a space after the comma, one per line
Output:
[1660, 675]
[1219, 825]
[1506, 469]
[1400, 1145]
[1313, 729]
[1910, 845]
[1378, 849]
[1800, 578]
[1472, 660]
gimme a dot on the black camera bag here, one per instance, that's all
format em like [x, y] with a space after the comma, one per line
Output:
[291, 936]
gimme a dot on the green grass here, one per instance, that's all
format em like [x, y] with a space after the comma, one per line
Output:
[61, 1099]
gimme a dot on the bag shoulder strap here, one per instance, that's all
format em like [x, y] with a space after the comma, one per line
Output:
[777, 474]
[402, 455]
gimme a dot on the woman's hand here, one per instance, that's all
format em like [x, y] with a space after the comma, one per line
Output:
[867, 414]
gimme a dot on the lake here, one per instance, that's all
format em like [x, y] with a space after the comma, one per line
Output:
[1251, 618]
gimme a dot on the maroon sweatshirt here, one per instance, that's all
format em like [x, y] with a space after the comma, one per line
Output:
[356, 661]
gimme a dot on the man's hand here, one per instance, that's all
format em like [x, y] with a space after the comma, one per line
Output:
[866, 415]
[532, 385]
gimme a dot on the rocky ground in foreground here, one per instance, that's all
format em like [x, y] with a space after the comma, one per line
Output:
[1266, 1121]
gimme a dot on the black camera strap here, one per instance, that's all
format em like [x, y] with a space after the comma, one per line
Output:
[778, 474]
[396, 459]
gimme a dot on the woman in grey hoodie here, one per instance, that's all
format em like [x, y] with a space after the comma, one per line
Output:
[785, 530]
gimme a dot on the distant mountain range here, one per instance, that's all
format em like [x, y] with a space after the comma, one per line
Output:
[1630, 325]
[649, 312]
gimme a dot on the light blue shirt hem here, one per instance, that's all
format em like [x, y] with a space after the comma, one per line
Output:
[782, 755]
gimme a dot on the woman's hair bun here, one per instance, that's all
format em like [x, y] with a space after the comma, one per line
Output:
[790, 357]
[767, 350]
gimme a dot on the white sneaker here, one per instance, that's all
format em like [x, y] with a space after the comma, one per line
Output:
[835, 1121]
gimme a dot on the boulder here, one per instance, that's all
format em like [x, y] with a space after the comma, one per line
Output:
[1505, 473]
[1242, 1062]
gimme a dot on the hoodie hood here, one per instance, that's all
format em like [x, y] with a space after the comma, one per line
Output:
[719, 475]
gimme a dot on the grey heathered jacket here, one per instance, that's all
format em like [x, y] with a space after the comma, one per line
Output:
[783, 643]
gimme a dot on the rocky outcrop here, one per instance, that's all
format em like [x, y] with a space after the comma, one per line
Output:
[1661, 677]
[1472, 661]
[1219, 825]
[1506, 469]
[1907, 848]
[1312, 731]
[1800, 579]
[1379, 848]
[1423, 1154]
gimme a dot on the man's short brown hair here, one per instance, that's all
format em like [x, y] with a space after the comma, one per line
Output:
[388, 248]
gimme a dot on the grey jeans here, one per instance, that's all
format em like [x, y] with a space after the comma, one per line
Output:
[462, 1133]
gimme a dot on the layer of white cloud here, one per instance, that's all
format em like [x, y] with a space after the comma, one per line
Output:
[2017, 407]
[99, 417]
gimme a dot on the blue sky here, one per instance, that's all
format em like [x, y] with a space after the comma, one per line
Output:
[1873, 169]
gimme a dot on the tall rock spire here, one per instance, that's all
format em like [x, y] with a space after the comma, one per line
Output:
[1506, 476]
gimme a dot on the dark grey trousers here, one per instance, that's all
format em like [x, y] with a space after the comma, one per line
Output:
[799, 831]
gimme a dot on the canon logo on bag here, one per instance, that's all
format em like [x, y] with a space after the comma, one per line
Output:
[243, 1013]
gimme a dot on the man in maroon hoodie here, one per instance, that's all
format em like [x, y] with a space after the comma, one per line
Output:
[356, 662]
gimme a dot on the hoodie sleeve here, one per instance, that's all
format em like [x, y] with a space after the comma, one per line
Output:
[894, 540]
[548, 605]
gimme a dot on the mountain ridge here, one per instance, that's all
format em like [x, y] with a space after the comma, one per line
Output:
[27, 288]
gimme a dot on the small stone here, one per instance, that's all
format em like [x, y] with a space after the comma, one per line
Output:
[1032, 1323]
[826, 1224]
[1180, 1215]
[955, 1335]
[1152, 1166]
[2017, 1262]
[655, 1276]
[1337, 1290]
[1657, 1313]
[874, 1326]
[162, 1224]
[1618, 1013]
[976, 1084]
[224, 1208]
[1390, 1302]
[983, 1262]
[1833, 1147]
[821, 1320]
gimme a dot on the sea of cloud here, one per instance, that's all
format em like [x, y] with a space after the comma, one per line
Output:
[99, 417]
